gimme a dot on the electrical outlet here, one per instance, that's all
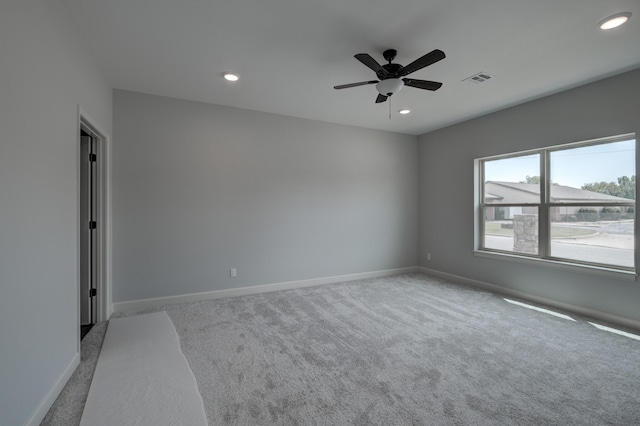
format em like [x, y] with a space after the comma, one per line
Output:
[232, 272]
[428, 256]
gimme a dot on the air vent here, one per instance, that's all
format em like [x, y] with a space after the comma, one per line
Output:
[481, 77]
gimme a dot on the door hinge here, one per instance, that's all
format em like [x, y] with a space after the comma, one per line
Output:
[93, 224]
[93, 157]
[93, 292]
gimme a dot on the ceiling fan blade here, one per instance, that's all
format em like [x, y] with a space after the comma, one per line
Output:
[426, 60]
[381, 98]
[366, 59]
[422, 84]
[362, 83]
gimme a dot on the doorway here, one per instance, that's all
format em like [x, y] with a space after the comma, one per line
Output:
[90, 196]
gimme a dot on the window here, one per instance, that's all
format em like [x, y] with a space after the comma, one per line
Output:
[573, 203]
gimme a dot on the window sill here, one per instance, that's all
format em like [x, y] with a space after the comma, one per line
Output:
[567, 266]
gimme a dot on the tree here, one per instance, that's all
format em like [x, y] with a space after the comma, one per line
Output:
[625, 188]
[531, 179]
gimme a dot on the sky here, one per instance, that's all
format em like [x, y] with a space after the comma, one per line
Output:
[572, 167]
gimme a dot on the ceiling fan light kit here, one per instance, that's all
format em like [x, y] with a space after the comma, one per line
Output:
[390, 76]
[390, 86]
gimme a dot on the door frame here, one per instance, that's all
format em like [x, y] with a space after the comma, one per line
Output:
[104, 305]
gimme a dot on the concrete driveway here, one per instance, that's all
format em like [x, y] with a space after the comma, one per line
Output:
[603, 247]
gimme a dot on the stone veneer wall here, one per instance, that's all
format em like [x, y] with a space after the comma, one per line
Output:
[525, 233]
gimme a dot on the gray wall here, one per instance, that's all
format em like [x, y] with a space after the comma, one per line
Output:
[199, 189]
[45, 72]
[605, 108]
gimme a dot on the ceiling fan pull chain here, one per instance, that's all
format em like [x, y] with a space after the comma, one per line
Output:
[389, 107]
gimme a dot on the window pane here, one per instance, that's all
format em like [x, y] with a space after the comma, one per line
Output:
[594, 174]
[514, 180]
[594, 234]
[511, 228]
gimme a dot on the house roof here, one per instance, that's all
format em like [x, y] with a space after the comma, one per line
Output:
[497, 192]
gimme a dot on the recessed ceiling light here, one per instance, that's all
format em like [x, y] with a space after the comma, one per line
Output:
[231, 77]
[614, 21]
[404, 111]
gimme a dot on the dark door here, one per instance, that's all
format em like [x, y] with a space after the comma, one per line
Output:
[88, 226]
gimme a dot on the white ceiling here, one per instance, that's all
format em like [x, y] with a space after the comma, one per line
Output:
[290, 53]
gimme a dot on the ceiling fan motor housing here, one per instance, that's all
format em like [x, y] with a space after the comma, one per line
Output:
[392, 71]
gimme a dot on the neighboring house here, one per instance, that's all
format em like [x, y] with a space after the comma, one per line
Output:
[523, 193]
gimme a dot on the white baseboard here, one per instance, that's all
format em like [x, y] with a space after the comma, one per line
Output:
[587, 312]
[43, 408]
[141, 304]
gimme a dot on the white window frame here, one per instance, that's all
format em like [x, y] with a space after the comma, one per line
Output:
[544, 207]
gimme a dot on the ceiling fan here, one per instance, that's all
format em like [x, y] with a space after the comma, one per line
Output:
[390, 76]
